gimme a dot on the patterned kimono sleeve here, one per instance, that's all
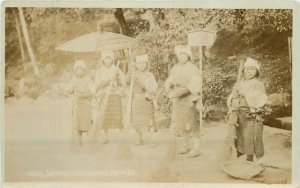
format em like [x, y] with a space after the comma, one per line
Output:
[150, 84]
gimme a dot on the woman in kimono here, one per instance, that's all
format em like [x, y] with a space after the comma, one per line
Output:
[251, 94]
[143, 98]
[109, 82]
[184, 85]
[80, 87]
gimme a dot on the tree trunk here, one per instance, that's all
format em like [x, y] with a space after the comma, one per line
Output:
[20, 41]
[119, 15]
[290, 39]
[27, 41]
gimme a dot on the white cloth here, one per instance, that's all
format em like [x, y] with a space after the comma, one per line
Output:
[194, 84]
[107, 53]
[142, 58]
[183, 49]
[183, 142]
[254, 92]
[252, 63]
[195, 144]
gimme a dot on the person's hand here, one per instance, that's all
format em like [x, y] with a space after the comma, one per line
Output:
[199, 106]
[132, 66]
[252, 110]
[171, 95]
[102, 84]
[255, 110]
[234, 94]
[236, 88]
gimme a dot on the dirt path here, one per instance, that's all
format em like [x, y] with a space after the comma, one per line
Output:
[37, 149]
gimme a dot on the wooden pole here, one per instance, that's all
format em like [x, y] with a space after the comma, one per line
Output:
[201, 93]
[103, 107]
[27, 41]
[234, 103]
[129, 101]
[20, 41]
[239, 76]
[290, 53]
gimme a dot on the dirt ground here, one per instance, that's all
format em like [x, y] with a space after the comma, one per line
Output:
[37, 148]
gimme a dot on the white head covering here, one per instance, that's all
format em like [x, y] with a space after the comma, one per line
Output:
[252, 63]
[79, 64]
[142, 58]
[107, 53]
[183, 49]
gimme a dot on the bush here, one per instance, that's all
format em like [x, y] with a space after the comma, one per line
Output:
[164, 103]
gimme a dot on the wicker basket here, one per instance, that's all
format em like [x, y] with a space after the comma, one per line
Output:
[242, 169]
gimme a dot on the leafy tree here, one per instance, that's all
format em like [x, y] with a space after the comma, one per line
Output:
[257, 33]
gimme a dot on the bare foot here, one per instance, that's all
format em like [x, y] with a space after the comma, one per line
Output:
[194, 153]
[183, 151]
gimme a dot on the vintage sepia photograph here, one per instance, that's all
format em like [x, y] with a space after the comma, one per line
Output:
[148, 95]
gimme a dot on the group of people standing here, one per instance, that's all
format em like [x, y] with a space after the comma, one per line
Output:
[98, 102]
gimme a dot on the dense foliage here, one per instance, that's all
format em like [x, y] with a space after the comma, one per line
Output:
[260, 33]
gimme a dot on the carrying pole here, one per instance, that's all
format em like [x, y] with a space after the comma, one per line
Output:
[129, 101]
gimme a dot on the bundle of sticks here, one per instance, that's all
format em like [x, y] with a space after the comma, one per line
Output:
[233, 118]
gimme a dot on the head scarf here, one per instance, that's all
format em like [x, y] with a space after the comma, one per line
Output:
[252, 63]
[183, 49]
[79, 64]
[141, 59]
[105, 54]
